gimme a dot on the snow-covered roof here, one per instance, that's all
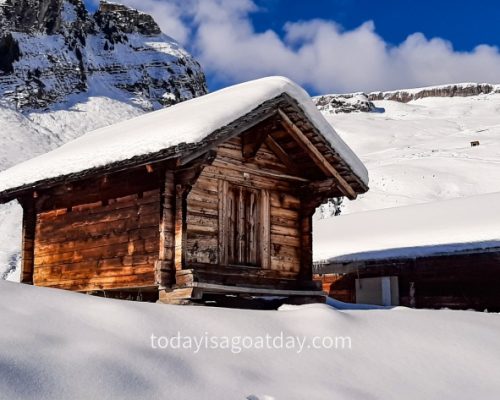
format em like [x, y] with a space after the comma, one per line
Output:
[185, 123]
[424, 229]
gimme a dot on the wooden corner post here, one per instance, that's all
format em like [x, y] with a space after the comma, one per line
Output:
[180, 232]
[164, 269]
[28, 240]
[306, 254]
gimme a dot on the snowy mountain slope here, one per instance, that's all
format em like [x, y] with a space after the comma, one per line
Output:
[420, 151]
[58, 344]
[64, 72]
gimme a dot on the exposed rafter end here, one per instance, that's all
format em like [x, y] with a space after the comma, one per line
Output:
[316, 155]
[189, 173]
[252, 140]
[281, 154]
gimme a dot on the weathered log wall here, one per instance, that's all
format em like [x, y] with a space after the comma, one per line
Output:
[278, 225]
[102, 245]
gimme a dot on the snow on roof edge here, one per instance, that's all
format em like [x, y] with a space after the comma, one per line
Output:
[170, 127]
[411, 231]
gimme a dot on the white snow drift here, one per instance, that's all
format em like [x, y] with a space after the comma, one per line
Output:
[62, 345]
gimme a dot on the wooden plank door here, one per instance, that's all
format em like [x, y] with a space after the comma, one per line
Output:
[242, 219]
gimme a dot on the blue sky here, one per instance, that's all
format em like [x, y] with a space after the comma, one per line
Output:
[465, 23]
[337, 45]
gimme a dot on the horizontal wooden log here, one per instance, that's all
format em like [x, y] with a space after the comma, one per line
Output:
[285, 264]
[284, 200]
[285, 240]
[227, 289]
[243, 277]
[93, 265]
[119, 250]
[132, 281]
[98, 230]
[97, 274]
[44, 248]
[285, 230]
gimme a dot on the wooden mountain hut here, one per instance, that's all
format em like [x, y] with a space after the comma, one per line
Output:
[432, 255]
[207, 198]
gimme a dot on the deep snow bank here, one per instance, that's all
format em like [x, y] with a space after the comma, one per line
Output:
[56, 344]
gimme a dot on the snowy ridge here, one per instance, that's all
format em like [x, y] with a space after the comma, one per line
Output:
[411, 231]
[352, 102]
[450, 90]
[171, 127]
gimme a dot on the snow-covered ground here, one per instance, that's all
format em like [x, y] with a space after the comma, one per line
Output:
[56, 344]
[420, 151]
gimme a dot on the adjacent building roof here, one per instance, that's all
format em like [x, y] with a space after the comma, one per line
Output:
[165, 132]
[443, 227]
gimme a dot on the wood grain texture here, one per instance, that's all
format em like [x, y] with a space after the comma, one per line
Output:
[97, 246]
[245, 211]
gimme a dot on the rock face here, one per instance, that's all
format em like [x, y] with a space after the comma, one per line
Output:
[344, 103]
[362, 102]
[460, 89]
[50, 49]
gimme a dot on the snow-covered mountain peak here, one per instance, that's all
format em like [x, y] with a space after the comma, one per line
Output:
[51, 49]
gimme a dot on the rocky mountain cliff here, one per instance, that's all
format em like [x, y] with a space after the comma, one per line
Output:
[452, 90]
[50, 49]
[344, 103]
[363, 102]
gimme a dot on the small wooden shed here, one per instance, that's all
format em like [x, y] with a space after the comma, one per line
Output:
[210, 197]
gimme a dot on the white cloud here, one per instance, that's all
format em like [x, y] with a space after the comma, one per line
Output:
[317, 53]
